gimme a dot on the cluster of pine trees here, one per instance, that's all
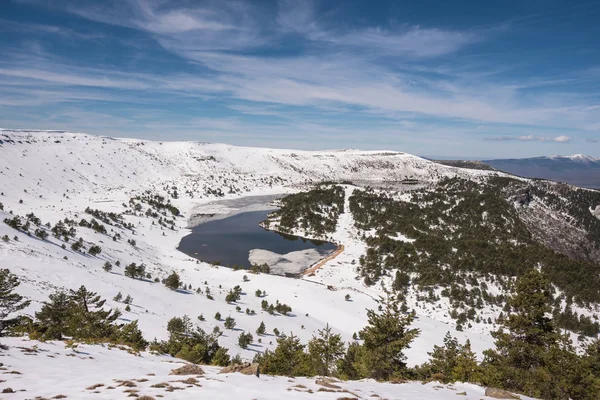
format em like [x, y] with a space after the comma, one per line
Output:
[76, 314]
[531, 356]
[192, 343]
[315, 211]
[463, 233]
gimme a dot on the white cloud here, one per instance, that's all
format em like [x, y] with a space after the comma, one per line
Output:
[533, 138]
[413, 41]
[336, 69]
[76, 79]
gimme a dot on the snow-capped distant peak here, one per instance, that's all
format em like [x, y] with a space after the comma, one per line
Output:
[575, 157]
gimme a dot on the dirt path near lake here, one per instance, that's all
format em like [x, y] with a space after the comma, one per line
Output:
[330, 257]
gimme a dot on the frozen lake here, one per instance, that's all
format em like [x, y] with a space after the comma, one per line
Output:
[230, 241]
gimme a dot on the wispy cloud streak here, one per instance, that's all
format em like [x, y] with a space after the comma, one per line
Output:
[532, 138]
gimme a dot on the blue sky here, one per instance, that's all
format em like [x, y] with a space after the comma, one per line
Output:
[436, 78]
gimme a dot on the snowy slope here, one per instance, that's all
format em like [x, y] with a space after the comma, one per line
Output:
[58, 175]
[39, 369]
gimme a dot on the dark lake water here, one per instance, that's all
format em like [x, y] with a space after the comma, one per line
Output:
[230, 240]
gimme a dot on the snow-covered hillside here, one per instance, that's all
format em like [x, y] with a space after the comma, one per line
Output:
[56, 175]
[91, 168]
[99, 372]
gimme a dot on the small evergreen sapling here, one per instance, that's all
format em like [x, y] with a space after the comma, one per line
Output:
[173, 282]
[262, 329]
[244, 340]
[229, 323]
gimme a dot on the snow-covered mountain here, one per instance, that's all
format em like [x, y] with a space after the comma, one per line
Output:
[578, 169]
[58, 175]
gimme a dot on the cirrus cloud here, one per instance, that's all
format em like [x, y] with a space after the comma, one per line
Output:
[532, 138]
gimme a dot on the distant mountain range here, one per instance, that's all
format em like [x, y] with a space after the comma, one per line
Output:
[578, 170]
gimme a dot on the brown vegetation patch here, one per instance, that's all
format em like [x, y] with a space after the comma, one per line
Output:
[96, 386]
[299, 386]
[160, 385]
[246, 369]
[190, 381]
[127, 383]
[173, 388]
[188, 369]
[499, 393]
[327, 382]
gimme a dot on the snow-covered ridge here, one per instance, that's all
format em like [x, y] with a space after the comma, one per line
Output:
[574, 157]
[73, 170]
[79, 161]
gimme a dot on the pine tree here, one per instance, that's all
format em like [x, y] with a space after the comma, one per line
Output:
[229, 323]
[325, 350]
[94, 250]
[451, 362]
[221, 358]
[385, 339]
[42, 234]
[10, 302]
[53, 318]
[131, 335]
[180, 327]
[135, 271]
[188, 342]
[173, 282]
[287, 359]
[245, 339]
[351, 366]
[88, 319]
[262, 329]
[232, 296]
[531, 356]
[118, 297]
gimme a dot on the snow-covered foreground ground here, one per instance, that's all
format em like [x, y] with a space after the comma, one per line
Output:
[51, 370]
